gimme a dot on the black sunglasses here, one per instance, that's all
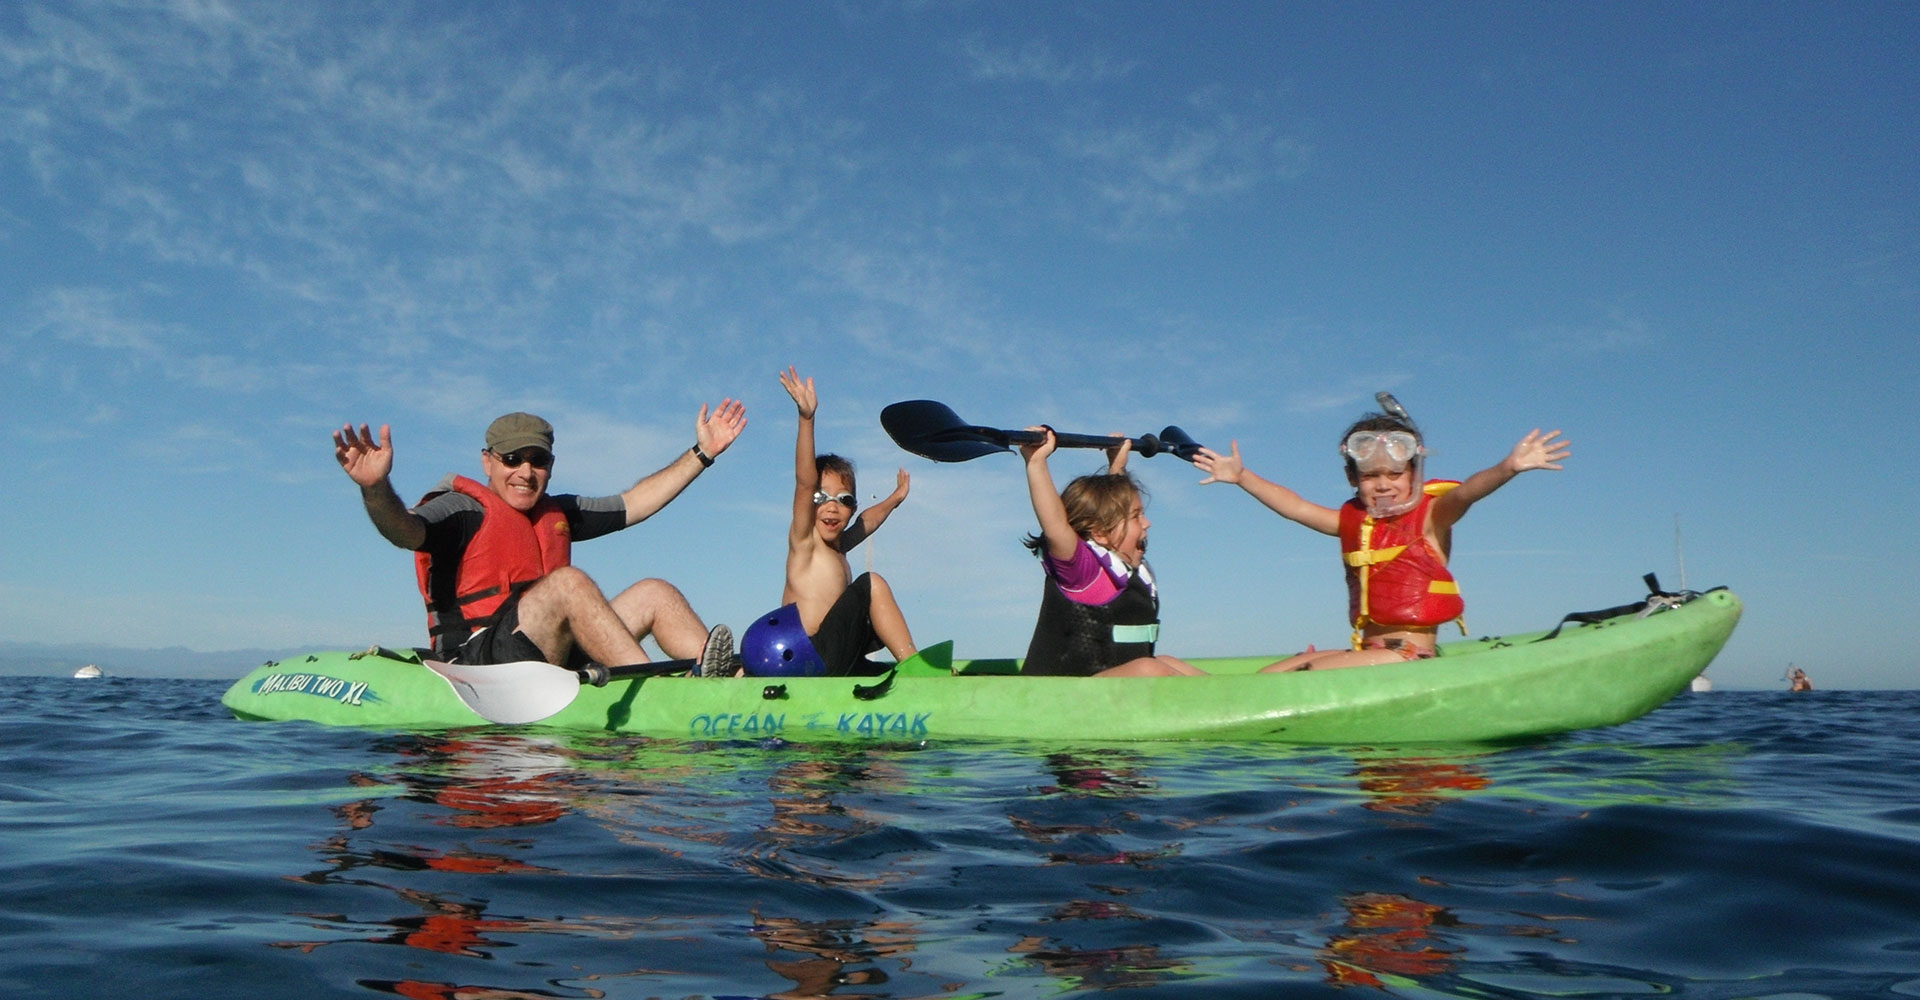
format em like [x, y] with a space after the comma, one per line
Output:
[843, 499]
[536, 457]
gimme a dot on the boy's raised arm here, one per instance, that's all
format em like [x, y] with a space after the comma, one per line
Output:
[873, 517]
[806, 475]
[1535, 451]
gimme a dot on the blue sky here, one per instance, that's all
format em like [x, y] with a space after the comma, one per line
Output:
[1686, 234]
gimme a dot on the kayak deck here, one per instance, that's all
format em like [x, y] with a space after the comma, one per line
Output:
[1495, 688]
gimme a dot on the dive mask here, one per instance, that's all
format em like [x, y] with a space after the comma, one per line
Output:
[1381, 451]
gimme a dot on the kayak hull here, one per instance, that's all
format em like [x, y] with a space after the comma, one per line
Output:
[1490, 689]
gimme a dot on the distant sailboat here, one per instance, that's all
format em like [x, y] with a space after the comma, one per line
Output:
[88, 671]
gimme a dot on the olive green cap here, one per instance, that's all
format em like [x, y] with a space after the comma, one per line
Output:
[519, 430]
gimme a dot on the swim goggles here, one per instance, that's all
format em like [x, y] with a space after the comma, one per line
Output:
[843, 499]
[535, 457]
[1381, 451]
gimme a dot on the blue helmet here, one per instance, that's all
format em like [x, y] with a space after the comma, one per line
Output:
[777, 646]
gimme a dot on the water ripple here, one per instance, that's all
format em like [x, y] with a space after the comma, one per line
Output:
[1734, 845]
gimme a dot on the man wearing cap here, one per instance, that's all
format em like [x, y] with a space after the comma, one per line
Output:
[493, 557]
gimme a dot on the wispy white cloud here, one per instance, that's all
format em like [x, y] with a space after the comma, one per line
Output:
[368, 173]
[1615, 332]
[403, 194]
[1354, 394]
[1877, 254]
[1147, 172]
[112, 330]
[1129, 169]
[918, 308]
[96, 318]
[1036, 61]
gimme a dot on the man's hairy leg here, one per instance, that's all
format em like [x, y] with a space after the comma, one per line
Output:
[657, 608]
[566, 609]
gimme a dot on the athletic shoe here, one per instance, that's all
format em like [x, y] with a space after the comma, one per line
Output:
[718, 660]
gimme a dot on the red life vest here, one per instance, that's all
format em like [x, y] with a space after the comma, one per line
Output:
[510, 551]
[1395, 576]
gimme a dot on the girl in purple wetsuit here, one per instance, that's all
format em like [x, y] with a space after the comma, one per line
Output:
[1100, 612]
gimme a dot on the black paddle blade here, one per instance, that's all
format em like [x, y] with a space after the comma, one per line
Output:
[1175, 441]
[932, 430]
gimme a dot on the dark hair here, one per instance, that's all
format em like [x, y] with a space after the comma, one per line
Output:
[1096, 503]
[1375, 422]
[823, 464]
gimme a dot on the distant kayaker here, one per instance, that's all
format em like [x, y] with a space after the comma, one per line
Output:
[1798, 680]
[1100, 610]
[843, 617]
[1395, 533]
[493, 558]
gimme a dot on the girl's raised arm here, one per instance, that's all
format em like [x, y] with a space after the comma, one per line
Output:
[1535, 451]
[1282, 501]
[1062, 541]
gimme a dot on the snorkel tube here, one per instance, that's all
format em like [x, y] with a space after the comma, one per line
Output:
[1392, 408]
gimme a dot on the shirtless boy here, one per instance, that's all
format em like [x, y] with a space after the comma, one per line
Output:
[846, 617]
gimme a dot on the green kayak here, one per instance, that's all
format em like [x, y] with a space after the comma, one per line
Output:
[1586, 673]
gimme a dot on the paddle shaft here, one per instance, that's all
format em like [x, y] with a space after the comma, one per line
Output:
[1168, 442]
[598, 675]
[1062, 439]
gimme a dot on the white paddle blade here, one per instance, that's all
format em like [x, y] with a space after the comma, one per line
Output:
[510, 693]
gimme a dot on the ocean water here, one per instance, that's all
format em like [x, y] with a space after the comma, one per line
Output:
[1733, 844]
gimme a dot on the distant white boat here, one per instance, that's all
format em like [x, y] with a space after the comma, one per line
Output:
[1703, 683]
[87, 671]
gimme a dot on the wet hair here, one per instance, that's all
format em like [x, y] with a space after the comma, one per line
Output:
[1375, 422]
[823, 464]
[1096, 503]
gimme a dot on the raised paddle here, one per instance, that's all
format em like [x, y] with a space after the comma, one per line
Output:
[530, 690]
[932, 430]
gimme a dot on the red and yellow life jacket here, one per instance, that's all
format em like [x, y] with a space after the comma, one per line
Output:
[1395, 576]
[510, 551]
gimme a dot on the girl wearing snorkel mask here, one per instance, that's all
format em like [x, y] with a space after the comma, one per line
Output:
[1395, 533]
